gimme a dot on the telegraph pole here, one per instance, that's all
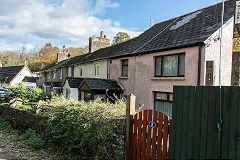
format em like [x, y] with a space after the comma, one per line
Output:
[236, 45]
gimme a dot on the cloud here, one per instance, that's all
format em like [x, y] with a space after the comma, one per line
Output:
[69, 22]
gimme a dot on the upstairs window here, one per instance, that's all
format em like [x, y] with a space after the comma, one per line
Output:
[69, 72]
[170, 66]
[80, 71]
[209, 73]
[54, 75]
[61, 73]
[97, 69]
[125, 68]
[48, 75]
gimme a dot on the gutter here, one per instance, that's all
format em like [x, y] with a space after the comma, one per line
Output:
[199, 64]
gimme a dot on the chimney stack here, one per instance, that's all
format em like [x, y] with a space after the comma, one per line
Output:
[95, 43]
[62, 55]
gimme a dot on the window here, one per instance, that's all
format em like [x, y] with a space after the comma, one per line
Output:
[101, 96]
[170, 66]
[67, 94]
[61, 73]
[54, 75]
[48, 75]
[125, 68]
[209, 73]
[163, 102]
[80, 71]
[69, 72]
[87, 96]
[96, 69]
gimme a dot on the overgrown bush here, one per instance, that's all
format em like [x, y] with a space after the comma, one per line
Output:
[83, 128]
[27, 94]
[30, 139]
[4, 125]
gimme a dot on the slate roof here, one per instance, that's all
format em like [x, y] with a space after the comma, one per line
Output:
[187, 30]
[74, 82]
[30, 79]
[9, 72]
[103, 84]
[56, 84]
[53, 84]
[55, 65]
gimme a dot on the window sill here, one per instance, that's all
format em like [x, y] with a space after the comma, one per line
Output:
[122, 77]
[169, 78]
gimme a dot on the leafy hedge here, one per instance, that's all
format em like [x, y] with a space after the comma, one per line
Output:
[27, 94]
[84, 129]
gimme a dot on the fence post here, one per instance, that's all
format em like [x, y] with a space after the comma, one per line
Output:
[130, 111]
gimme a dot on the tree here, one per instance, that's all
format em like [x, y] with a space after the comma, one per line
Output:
[10, 58]
[78, 51]
[121, 37]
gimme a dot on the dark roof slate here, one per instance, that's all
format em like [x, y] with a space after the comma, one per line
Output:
[74, 82]
[9, 72]
[30, 79]
[103, 84]
[186, 30]
[55, 65]
[53, 84]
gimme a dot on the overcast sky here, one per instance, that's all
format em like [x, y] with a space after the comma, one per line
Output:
[33, 23]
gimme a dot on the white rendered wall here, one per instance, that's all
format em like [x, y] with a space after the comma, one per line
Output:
[212, 53]
[20, 76]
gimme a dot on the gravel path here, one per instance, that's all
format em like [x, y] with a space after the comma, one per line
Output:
[5, 154]
[10, 150]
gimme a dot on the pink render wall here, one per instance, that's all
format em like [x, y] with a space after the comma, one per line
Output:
[141, 81]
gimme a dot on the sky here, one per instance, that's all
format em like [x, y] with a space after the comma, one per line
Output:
[33, 23]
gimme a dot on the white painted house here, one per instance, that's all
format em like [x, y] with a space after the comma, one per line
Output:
[13, 75]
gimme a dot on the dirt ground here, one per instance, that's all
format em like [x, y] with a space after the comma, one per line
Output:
[9, 149]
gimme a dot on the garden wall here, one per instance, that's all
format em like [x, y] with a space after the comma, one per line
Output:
[23, 120]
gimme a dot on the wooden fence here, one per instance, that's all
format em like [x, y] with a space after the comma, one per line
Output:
[148, 133]
[205, 125]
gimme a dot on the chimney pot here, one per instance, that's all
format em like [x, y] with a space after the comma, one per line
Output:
[101, 34]
[105, 36]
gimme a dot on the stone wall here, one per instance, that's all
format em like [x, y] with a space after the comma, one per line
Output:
[23, 120]
[119, 140]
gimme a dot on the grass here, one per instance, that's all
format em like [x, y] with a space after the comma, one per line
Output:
[5, 126]
[30, 139]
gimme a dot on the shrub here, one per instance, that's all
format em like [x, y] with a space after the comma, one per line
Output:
[26, 107]
[4, 125]
[27, 94]
[30, 139]
[83, 128]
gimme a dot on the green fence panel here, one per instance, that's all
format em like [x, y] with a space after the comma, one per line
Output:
[195, 117]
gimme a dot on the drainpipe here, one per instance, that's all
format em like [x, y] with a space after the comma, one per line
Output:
[199, 64]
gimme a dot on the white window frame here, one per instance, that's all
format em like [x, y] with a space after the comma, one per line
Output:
[80, 71]
[97, 69]
[54, 74]
[61, 73]
[69, 71]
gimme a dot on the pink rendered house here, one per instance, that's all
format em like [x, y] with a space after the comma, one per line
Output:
[181, 51]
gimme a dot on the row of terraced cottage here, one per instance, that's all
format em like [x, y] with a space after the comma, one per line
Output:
[180, 51]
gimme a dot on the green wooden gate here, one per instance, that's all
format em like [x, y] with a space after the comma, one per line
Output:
[198, 132]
